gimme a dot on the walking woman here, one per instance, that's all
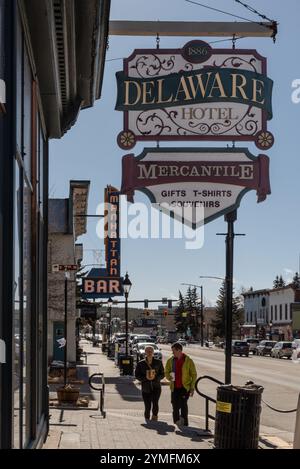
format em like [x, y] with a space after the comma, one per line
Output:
[150, 372]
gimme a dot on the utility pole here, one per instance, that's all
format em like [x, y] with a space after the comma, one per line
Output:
[201, 318]
[230, 218]
[66, 329]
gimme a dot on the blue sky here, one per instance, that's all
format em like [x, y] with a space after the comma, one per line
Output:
[89, 150]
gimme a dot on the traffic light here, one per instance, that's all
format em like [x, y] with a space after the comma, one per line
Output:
[146, 304]
[147, 313]
[165, 312]
[170, 304]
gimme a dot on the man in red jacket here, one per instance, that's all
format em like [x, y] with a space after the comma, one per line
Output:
[180, 370]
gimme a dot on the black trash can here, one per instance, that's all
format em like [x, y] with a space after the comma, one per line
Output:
[111, 350]
[126, 364]
[238, 411]
[104, 347]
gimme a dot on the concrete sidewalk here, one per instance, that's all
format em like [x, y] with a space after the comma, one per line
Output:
[124, 425]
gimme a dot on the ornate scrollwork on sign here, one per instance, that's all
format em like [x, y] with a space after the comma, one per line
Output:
[154, 121]
[163, 122]
[247, 127]
[237, 62]
[151, 65]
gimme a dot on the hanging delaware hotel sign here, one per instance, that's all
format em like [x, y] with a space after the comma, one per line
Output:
[195, 185]
[195, 93]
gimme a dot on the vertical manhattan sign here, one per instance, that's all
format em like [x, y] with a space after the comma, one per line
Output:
[103, 283]
[195, 94]
[112, 231]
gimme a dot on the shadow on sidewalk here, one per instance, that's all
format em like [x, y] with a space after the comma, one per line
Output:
[125, 387]
[193, 433]
[162, 428]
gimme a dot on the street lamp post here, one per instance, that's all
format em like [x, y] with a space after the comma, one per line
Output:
[228, 317]
[110, 353]
[201, 310]
[126, 285]
[109, 304]
[67, 276]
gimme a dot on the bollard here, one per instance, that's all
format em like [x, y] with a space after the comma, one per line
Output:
[296, 444]
[102, 391]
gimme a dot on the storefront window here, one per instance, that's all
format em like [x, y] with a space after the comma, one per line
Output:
[17, 322]
[27, 117]
[27, 309]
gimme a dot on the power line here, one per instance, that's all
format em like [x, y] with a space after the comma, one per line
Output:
[248, 7]
[110, 60]
[208, 42]
[273, 26]
[226, 40]
[220, 11]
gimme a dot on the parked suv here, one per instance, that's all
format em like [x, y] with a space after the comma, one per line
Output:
[282, 349]
[240, 347]
[264, 347]
[253, 343]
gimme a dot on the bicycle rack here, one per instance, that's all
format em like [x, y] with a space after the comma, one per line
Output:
[102, 391]
[207, 399]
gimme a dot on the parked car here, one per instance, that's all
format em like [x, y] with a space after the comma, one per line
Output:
[208, 343]
[282, 349]
[220, 344]
[141, 339]
[182, 342]
[253, 343]
[161, 340]
[139, 351]
[240, 347]
[153, 338]
[264, 347]
[296, 343]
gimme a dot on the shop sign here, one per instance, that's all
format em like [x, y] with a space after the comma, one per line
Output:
[101, 287]
[98, 284]
[112, 229]
[195, 185]
[64, 267]
[195, 93]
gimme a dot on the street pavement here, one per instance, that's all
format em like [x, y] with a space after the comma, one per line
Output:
[124, 425]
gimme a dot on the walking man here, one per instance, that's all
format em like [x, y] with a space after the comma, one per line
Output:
[180, 370]
[150, 371]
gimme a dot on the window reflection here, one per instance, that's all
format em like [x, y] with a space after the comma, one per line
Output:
[17, 311]
[26, 308]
